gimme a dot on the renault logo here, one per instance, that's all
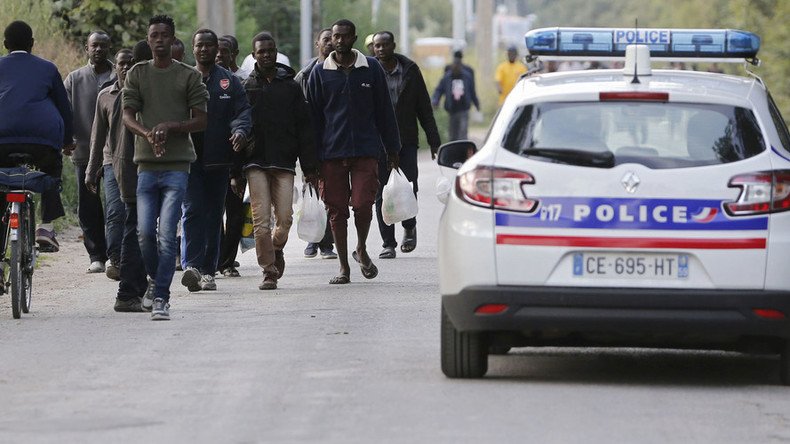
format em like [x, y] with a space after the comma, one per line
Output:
[630, 181]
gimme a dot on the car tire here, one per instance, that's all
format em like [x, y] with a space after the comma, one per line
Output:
[784, 364]
[464, 354]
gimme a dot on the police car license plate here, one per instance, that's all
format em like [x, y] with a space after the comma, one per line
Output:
[624, 265]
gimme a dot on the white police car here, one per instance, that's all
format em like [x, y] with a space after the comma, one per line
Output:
[621, 207]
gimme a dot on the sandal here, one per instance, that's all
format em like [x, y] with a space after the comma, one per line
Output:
[409, 242]
[370, 271]
[340, 280]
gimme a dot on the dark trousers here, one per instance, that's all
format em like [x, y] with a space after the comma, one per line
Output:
[231, 235]
[47, 160]
[91, 216]
[133, 280]
[408, 164]
[202, 218]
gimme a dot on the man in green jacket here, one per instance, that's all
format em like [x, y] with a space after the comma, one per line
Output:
[164, 100]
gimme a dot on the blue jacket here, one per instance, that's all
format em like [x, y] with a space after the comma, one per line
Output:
[352, 113]
[228, 112]
[34, 107]
[445, 88]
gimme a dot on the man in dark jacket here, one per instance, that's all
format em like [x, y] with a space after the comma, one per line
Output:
[458, 88]
[282, 132]
[412, 103]
[228, 128]
[36, 119]
[354, 123]
[323, 45]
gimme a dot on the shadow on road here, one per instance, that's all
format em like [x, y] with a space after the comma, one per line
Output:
[634, 367]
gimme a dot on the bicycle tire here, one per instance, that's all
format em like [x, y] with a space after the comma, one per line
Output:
[30, 254]
[17, 282]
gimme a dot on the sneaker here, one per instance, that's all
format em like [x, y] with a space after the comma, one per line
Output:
[113, 272]
[231, 272]
[191, 279]
[160, 311]
[207, 282]
[328, 253]
[311, 250]
[148, 298]
[46, 241]
[269, 283]
[133, 305]
[96, 267]
[279, 262]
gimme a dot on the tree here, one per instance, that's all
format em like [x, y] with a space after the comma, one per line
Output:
[125, 20]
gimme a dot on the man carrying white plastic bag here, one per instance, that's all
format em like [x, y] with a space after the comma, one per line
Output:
[398, 200]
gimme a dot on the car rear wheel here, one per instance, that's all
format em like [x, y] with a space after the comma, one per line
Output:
[784, 366]
[464, 354]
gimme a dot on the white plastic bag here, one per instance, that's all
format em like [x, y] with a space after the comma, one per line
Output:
[311, 217]
[398, 201]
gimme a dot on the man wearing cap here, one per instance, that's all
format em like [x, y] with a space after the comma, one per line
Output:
[508, 73]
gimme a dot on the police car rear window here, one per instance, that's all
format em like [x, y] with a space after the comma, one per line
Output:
[655, 134]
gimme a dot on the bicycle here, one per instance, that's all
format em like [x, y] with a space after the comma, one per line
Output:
[19, 253]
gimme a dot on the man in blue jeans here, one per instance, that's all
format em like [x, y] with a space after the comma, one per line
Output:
[169, 99]
[106, 138]
[229, 126]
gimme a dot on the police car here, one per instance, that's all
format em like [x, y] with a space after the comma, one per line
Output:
[621, 207]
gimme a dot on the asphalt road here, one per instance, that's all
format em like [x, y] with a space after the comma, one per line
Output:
[311, 362]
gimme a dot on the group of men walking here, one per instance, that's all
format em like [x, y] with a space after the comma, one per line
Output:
[172, 142]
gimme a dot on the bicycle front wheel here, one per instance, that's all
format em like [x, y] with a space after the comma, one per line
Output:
[17, 279]
[29, 254]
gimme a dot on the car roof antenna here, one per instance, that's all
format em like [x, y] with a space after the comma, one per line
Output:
[636, 59]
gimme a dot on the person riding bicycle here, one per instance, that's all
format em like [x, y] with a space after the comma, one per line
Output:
[35, 119]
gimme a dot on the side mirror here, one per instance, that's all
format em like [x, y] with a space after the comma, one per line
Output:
[454, 154]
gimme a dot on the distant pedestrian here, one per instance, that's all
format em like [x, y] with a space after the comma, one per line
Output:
[354, 123]
[412, 104]
[35, 119]
[458, 88]
[83, 86]
[169, 99]
[281, 127]
[323, 45]
[507, 73]
[178, 50]
[226, 133]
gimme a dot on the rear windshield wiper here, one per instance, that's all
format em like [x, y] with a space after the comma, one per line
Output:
[599, 159]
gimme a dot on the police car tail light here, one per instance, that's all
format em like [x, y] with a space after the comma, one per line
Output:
[761, 193]
[497, 188]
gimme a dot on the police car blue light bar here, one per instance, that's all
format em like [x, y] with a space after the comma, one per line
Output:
[663, 43]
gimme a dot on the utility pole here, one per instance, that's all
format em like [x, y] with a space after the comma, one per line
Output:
[217, 15]
[459, 20]
[305, 31]
[484, 38]
[404, 28]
